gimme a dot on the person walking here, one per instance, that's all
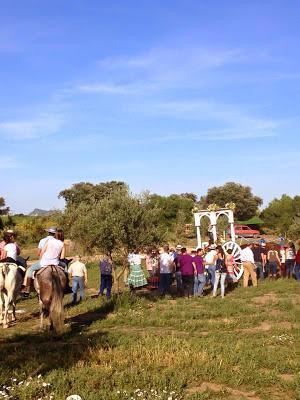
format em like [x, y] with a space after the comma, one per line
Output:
[166, 267]
[249, 265]
[188, 271]
[77, 271]
[221, 272]
[199, 279]
[290, 259]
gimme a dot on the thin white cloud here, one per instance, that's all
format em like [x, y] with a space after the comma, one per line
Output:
[8, 163]
[43, 125]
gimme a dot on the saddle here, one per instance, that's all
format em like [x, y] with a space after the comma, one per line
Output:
[36, 273]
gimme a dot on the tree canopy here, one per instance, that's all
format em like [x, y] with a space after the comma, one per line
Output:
[85, 192]
[246, 203]
[282, 213]
[118, 221]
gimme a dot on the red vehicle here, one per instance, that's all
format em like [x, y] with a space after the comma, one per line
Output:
[245, 231]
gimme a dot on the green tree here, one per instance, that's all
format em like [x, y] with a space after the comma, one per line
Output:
[119, 222]
[280, 214]
[246, 203]
[170, 206]
[85, 192]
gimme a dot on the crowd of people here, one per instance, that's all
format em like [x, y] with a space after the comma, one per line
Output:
[192, 271]
[211, 267]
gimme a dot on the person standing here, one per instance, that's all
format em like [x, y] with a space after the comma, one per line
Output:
[199, 280]
[188, 271]
[258, 259]
[106, 278]
[166, 267]
[221, 272]
[210, 262]
[178, 275]
[297, 265]
[249, 265]
[273, 260]
[136, 276]
[77, 271]
[282, 256]
[290, 259]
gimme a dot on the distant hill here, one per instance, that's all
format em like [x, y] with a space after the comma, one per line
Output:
[37, 212]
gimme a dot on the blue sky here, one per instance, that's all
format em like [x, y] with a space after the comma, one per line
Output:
[170, 96]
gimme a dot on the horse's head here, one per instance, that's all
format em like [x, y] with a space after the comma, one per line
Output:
[66, 260]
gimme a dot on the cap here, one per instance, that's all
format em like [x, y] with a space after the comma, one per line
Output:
[51, 230]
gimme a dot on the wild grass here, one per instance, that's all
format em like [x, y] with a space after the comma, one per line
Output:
[142, 347]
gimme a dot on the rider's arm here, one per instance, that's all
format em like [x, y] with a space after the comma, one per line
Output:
[63, 252]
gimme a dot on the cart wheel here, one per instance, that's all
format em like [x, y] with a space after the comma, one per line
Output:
[236, 252]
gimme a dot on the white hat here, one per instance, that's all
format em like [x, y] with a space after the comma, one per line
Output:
[51, 230]
[179, 247]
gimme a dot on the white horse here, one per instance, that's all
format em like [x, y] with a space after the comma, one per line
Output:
[10, 285]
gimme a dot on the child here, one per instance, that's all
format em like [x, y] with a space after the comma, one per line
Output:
[106, 270]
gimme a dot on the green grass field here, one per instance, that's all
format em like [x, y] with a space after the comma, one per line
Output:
[141, 347]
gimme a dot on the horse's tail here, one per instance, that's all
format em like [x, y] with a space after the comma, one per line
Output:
[56, 306]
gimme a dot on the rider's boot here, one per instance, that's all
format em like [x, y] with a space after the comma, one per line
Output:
[25, 292]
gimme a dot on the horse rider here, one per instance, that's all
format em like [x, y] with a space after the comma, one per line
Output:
[10, 251]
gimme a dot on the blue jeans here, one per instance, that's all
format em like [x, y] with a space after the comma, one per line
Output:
[78, 283]
[179, 283]
[199, 284]
[297, 271]
[106, 283]
[273, 267]
[34, 267]
[260, 269]
[212, 271]
[164, 283]
[289, 267]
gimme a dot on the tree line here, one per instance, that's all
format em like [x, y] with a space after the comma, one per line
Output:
[107, 217]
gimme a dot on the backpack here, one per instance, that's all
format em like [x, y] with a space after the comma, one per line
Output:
[221, 265]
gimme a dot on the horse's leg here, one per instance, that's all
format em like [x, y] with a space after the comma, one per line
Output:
[6, 306]
[13, 316]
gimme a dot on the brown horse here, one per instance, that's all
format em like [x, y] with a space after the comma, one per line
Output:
[50, 283]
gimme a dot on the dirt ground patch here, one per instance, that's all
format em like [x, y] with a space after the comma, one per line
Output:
[287, 377]
[216, 387]
[267, 326]
[265, 299]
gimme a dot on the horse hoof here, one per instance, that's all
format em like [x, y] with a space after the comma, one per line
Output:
[5, 326]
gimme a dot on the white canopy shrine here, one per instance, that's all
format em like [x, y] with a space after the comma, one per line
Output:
[213, 217]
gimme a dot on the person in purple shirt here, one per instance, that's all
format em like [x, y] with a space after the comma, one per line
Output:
[200, 279]
[187, 271]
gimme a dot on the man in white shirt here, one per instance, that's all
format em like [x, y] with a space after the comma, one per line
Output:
[247, 259]
[78, 273]
[166, 265]
[210, 262]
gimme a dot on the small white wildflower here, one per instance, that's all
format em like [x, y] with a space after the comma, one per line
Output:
[39, 376]
[20, 383]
